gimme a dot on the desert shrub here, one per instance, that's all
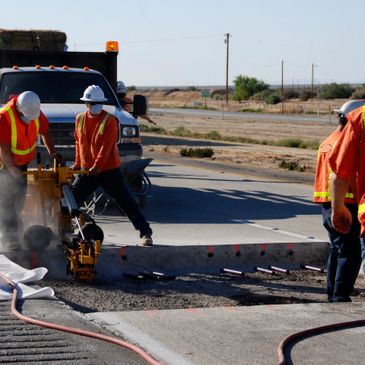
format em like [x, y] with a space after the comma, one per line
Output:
[158, 130]
[131, 88]
[298, 143]
[218, 94]
[181, 131]
[214, 135]
[335, 91]
[245, 87]
[291, 94]
[262, 95]
[197, 152]
[359, 93]
[272, 99]
[292, 166]
[306, 94]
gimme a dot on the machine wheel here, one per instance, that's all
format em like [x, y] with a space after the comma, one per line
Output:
[37, 237]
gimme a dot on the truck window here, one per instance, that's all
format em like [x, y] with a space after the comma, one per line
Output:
[53, 87]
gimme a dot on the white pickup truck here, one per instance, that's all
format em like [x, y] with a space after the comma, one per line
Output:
[60, 89]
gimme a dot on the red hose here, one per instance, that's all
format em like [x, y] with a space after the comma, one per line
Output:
[150, 360]
[312, 332]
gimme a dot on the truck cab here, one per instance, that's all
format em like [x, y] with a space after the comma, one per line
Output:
[60, 90]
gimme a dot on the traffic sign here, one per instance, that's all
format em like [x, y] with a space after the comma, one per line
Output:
[205, 93]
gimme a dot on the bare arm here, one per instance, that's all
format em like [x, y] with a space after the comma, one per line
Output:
[341, 216]
[49, 143]
[149, 120]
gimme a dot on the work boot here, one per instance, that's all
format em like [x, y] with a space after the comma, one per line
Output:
[146, 240]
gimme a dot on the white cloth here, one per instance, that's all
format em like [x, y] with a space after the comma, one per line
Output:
[20, 276]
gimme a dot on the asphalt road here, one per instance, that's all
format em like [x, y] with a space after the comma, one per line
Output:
[196, 205]
[244, 116]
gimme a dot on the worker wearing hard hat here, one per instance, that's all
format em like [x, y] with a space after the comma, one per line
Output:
[127, 103]
[96, 133]
[21, 120]
[344, 257]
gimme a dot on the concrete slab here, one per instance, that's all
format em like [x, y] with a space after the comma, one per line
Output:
[241, 335]
[195, 206]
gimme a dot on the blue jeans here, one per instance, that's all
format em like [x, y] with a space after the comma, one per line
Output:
[344, 257]
[113, 184]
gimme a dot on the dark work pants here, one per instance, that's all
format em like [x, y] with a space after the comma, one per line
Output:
[12, 197]
[344, 257]
[113, 184]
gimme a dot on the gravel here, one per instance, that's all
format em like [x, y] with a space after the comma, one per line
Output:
[196, 290]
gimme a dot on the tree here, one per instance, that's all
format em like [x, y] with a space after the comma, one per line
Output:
[245, 87]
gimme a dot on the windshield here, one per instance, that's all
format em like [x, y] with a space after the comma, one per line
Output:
[54, 87]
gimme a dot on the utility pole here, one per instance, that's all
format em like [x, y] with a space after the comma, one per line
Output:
[312, 88]
[226, 41]
[282, 86]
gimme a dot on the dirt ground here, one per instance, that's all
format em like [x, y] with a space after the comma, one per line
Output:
[197, 291]
[256, 155]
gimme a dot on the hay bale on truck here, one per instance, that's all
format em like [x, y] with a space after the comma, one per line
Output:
[33, 40]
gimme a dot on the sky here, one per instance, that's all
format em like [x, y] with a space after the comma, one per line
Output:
[182, 43]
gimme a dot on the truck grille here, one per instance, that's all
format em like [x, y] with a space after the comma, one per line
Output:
[63, 134]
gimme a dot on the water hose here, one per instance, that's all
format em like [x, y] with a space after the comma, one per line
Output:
[150, 360]
[313, 332]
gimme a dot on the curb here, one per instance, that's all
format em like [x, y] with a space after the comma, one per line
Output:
[116, 260]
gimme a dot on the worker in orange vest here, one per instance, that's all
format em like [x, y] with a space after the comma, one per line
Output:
[21, 120]
[344, 257]
[347, 161]
[96, 133]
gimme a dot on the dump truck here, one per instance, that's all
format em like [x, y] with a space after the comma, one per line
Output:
[39, 61]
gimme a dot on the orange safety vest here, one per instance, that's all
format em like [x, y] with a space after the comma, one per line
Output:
[361, 211]
[90, 143]
[322, 180]
[23, 147]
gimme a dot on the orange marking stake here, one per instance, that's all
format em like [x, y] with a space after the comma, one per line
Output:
[290, 249]
[122, 254]
[237, 250]
[263, 249]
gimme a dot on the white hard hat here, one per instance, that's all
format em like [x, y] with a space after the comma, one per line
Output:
[94, 94]
[349, 106]
[121, 88]
[29, 105]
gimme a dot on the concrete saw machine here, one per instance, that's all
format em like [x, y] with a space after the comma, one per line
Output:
[50, 201]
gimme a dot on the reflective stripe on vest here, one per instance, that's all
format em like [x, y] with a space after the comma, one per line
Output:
[101, 127]
[14, 135]
[327, 194]
[362, 206]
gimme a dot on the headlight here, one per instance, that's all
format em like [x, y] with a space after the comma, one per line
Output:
[129, 132]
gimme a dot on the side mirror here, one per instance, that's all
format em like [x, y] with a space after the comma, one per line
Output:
[140, 106]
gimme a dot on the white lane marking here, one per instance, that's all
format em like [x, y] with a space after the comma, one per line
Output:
[278, 230]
